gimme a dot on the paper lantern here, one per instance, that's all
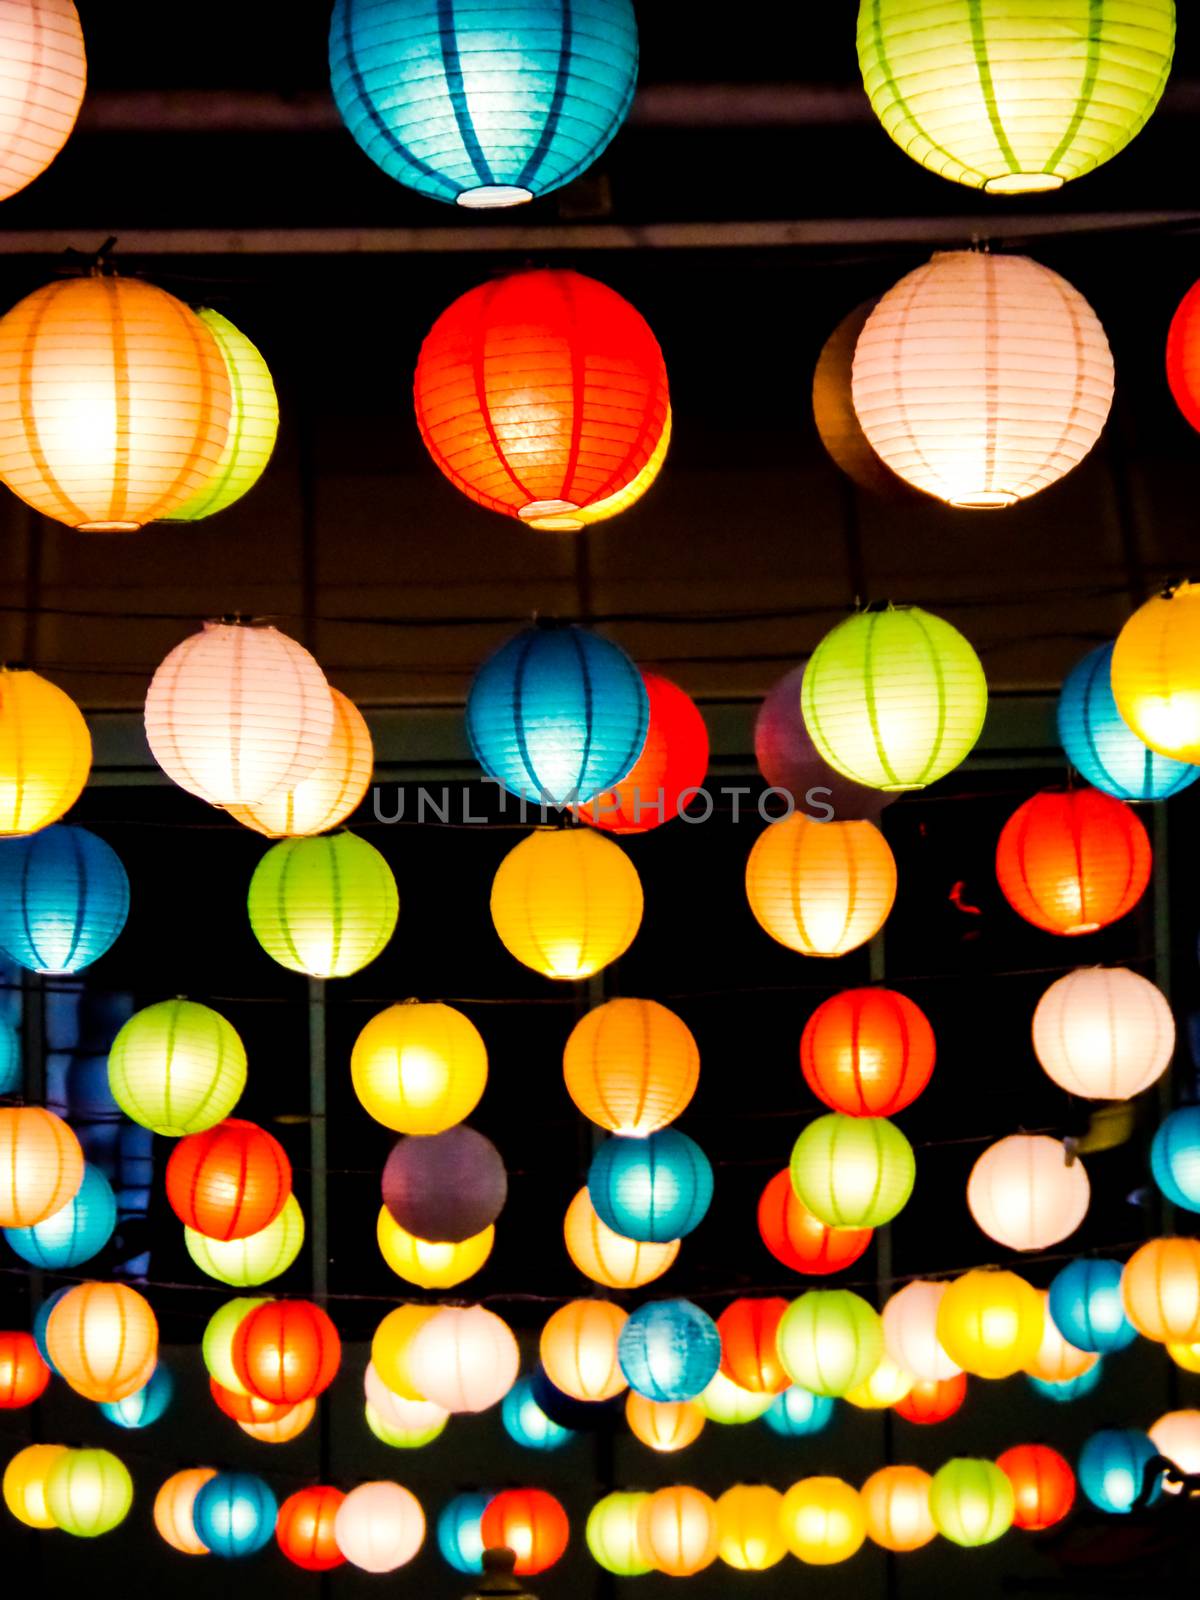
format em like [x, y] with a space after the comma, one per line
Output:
[1026, 1193]
[217, 1342]
[566, 902]
[612, 1535]
[245, 1263]
[237, 712]
[1156, 673]
[609, 1258]
[23, 1373]
[724, 1402]
[1103, 1033]
[324, 906]
[10, 1059]
[403, 1438]
[1185, 1356]
[446, 1187]
[478, 108]
[853, 1172]
[64, 897]
[895, 1502]
[1086, 1305]
[234, 1514]
[631, 1066]
[932, 1400]
[242, 1406]
[1112, 1467]
[173, 1510]
[331, 791]
[822, 888]
[1073, 862]
[797, 1413]
[663, 1425]
[73, 1235]
[145, 1406]
[527, 1424]
[677, 1530]
[304, 1529]
[801, 1241]
[790, 762]
[88, 1492]
[1183, 356]
[867, 1052]
[557, 715]
[894, 698]
[836, 419]
[230, 1181]
[464, 1359]
[392, 1343]
[669, 1350]
[45, 752]
[579, 1350]
[1071, 1389]
[1043, 1485]
[982, 379]
[670, 770]
[971, 1501]
[430, 1265]
[1056, 1359]
[749, 1537]
[531, 1524]
[1175, 1158]
[44, 75]
[286, 1351]
[103, 1339]
[823, 1521]
[886, 1386]
[651, 1189]
[177, 1067]
[41, 1165]
[1102, 749]
[910, 1331]
[748, 1353]
[419, 1068]
[539, 395]
[114, 402]
[284, 1429]
[458, 1535]
[622, 499]
[990, 1323]
[1161, 1290]
[830, 1340]
[1176, 1435]
[41, 1318]
[397, 1412]
[253, 424]
[24, 1484]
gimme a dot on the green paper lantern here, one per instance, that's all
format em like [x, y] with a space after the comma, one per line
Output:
[894, 698]
[245, 1263]
[971, 1501]
[612, 1535]
[217, 1344]
[402, 1438]
[88, 1492]
[830, 1341]
[326, 906]
[177, 1068]
[853, 1172]
[726, 1402]
[1014, 96]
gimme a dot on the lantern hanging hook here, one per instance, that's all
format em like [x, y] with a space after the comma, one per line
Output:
[102, 262]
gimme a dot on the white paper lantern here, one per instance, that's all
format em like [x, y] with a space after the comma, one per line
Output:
[465, 1359]
[379, 1526]
[1104, 1033]
[1023, 1193]
[910, 1332]
[43, 71]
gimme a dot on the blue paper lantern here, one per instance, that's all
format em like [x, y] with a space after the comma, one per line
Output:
[64, 897]
[1087, 1309]
[526, 1423]
[483, 102]
[10, 1058]
[1070, 1388]
[1100, 745]
[76, 1233]
[146, 1405]
[652, 1190]
[234, 1514]
[1111, 1467]
[797, 1412]
[458, 1533]
[40, 1318]
[669, 1350]
[1175, 1158]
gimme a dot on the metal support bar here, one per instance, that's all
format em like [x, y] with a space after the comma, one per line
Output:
[318, 1162]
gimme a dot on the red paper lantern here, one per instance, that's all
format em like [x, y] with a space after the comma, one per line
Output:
[932, 1400]
[286, 1351]
[1043, 1485]
[673, 763]
[867, 1052]
[541, 394]
[230, 1181]
[531, 1523]
[1073, 862]
[748, 1354]
[247, 1408]
[304, 1528]
[23, 1373]
[801, 1241]
[1183, 356]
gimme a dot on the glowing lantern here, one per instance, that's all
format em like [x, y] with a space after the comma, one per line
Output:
[971, 1502]
[286, 1351]
[177, 1067]
[677, 1530]
[729, 1405]
[1026, 1193]
[324, 906]
[1043, 1485]
[789, 760]
[391, 1346]
[73, 1235]
[651, 1189]
[990, 1323]
[284, 1429]
[797, 1413]
[404, 1438]
[609, 1258]
[458, 1535]
[430, 1265]
[23, 1373]
[64, 897]
[419, 1068]
[910, 1331]
[304, 1529]
[539, 395]
[531, 1524]
[230, 1181]
[932, 1400]
[1056, 1359]
[1183, 357]
[1156, 674]
[1103, 1033]
[480, 109]
[1112, 1466]
[1176, 1435]
[982, 379]
[867, 1052]
[41, 1165]
[527, 1424]
[1061, 1394]
[895, 1503]
[631, 1066]
[234, 1514]
[1161, 1290]
[45, 752]
[749, 1537]
[88, 1492]
[579, 1347]
[396, 1412]
[801, 1241]
[1073, 862]
[886, 1386]
[464, 1359]
[145, 1406]
[245, 1263]
[830, 1340]
[445, 1187]
[1175, 1158]
[10, 1059]
[669, 771]
[44, 75]
[1185, 1356]
[748, 1353]
[103, 1340]
[853, 1172]
[242, 1406]
[24, 1485]
[612, 1535]
[663, 1425]
[566, 902]
[114, 402]
[612, 505]
[1102, 749]
[41, 1318]
[1085, 1302]
[669, 1350]
[173, 1510]
[822, 888]
[331, 791]
[823, 1521]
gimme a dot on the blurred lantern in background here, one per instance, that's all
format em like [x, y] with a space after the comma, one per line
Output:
[331, 791]
[430, 1264]
[665, 1426]
[325, 906]
[44, 76]
[612, 1535]
[822, 888]
[41, 1165]
[10, 1059]
[304, 1529]
[146, 1405]
[464, 1359]
[1102, 748]
[1085, 1302]
[797, 1413]
[458, 1533]
[24, 1485]
[73, 1235]
[23, 1373]
[669, 1350]
[242, 1406]
[173, 1510]
[1156, 673]
[610, 1258]
[677, 1530]
[1176, 1435]
[1103, 1033]
[631, 1066]
[1043, 1485]
[379, 1526]
[286, 1351]
[1183, 356]
[88, 1492]
[566, 902]
[1073, 862]
[801, 1241]
[823, 1521]
[1112, 1466]
[1161, 1290]
[749, 1536]
[445, 1187]
[234, 1514]
[896, 1507]
[527, 1424]
[103, 1339]
[653, 1189]
[245, 1263]
[230, 1181]
[990, 1322]
[1056, 1359]
[1175, 1157]
[579, 1349]
[64, 898]
[726, 1403]
[397, 1438]
[933, 1400]
[853, 1172]
[419, 1068]
[971, 1501]
[531, 1523]
[669, 771]
[886, 1387]
[749, 1356]
[867, 1052]
[830, 1340]
[1026, 1192]
[910, 1332]
[790, 762]
[397, 1412]
[1063, 1393]
[177, 1067]
[45, 751]
[217, 1343]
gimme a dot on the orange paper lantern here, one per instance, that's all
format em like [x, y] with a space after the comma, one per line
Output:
[1043, 1485]
[631, 1066]
[579, 1349]
[932, 1400]
[230, 1181]
[285, 1428]
[607, 1257]
[304, 1529]
[173, 1510]
[867, 1052]
[248, 1408]
[678, 1532]
[822, 888]
[1161, 1290]
[895, 1502]
[23, 1373]
[103, 1340]
[531, 1524]
[748, 1354]
[801, 1241]
[663, 1425]
[329, 794]
[286, 1351]
[41, 1165]
[670, 769]
[1073, 862]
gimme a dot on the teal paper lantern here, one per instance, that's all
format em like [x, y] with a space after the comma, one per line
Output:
[526, 1423]
[64, 898]
[146, 1405]
[458, 1531]
[1086, 1306]
[10, 1058]
[234, 1514]
[73, 1235]
[1101, 746]
[483, 103]
[798, 1412]
[1070, 1388]
[40, 1319]
[669, 1350]
[1175, 1158]
[652, 1190]
[1112, 1467]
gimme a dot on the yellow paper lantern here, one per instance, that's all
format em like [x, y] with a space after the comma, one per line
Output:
[284, 1429]
[614, 504]
[1161, 1290]
[1176, 1435]
[578, 1348]
[607, 1257]
[1103, 1033]
[727, 1403]
[991, 1323]
[430, 1265]
[830, 1341]
[1185, 1356]
[24, 1486]
[324, 799]
[1026, 1193]
[1056, 1360]
[403, 1438]
[325, 906]
[45, 752]
[663, 1425]
[823, 1521]
[895, 1504]
[1156, 673]
[566, 902]
[391, 1346]
[88, 1492]
[103, 1340]
[612, 1535]
[631, 1066]
[114, 402]
[177, 1067]
[41, 1165]
[217, 1344]
[749, 1537]
[173, 1510]
[822, 888]
[886, 1386]
[419, 1068]
[43, 73]
[464, 1359]
[677, 1530]
[245, 1263]
[910, 1332]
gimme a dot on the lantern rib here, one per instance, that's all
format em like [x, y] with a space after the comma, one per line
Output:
[562, 79]
[367, 103]
[457, 91]
[118, 506]
[480, 384]
[983, 67]
[916, 619]
[1086, 96]
[73, 513]
[898, 94]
